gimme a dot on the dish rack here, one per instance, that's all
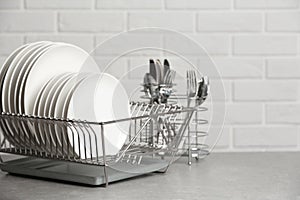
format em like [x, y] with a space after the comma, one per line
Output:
[158, 134]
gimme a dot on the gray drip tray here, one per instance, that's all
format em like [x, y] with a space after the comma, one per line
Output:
[80, 173]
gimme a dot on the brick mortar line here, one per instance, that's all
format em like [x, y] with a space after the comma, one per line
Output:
[269, 10]
[298, 44]
[56, 22]
[164, 5]
[232, 5]
[127, 23]
[231, 45]
[195, 22]
[264, 113]
[231, 139]
[23, 5]
[94, 5]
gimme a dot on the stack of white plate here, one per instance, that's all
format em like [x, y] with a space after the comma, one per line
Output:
[62, 81]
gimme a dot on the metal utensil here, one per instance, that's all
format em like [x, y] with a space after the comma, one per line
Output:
[148, 84]
[166, 67]
[191, 85]
[159, 72]
[203, 90]
[205, 87]
[153, 89]
[167, 77]
[152, 68]
[200, 88]
[172, 76]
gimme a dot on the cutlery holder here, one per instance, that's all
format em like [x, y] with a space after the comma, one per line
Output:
[158, 134]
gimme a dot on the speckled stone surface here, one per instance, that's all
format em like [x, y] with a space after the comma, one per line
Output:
[219, 176]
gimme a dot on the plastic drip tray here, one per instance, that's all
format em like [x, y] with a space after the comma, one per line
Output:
[81, 173]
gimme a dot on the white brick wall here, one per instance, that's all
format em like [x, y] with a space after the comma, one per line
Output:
[265, 45]
[129, 4]
[10, 4]
[287, 113]
[265, 4]
[27, 21]
[270, 90]
[85, 41]
[179, 20]
[9, 43]
[254, 43]
[58, 4]
[91, 22]
[230, 22]
[214, 44]
[265, 137]
[244, 113]
[287, 68]
[198, 4]
[240, 68]
[283, 21]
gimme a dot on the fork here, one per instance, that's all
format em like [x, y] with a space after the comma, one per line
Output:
[169, 77]
[191, 85]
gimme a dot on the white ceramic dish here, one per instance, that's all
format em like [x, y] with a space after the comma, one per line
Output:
[51, 103]
[12, 81]
[35, 128]
[38, 99]
[7, 87]
[99, 98]
[7, 129]
[61, 110]
[54, 103]
[43, 106]
[6, 65]
[23, 79]
[19, 74]
[56, 110]
[49, 97]
[6, 82]
[57, 60]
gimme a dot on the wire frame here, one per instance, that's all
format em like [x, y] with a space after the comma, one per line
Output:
[155, 129]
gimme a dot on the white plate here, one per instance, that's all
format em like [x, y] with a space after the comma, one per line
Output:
[49, 98]
[57, 60]
[15, 84]
[5, 67]
[19, 74]
[7, 129]
[14, 72]
[38, 99]
[51, 103]
[23, 79]
[100, 98]
[55, 101]
[6, 103]
[39, 104]
[7, 85]
[56, 110]
[43, 105]
[35, 128]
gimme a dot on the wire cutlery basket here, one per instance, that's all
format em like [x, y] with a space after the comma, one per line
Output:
[158, 134]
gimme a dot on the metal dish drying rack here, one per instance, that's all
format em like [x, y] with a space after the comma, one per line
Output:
[158, 134]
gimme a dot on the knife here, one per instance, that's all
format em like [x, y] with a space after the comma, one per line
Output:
[159, 72]
[166, 69]
[152, 69]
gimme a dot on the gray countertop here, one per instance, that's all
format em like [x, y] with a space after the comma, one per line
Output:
[219, 176]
